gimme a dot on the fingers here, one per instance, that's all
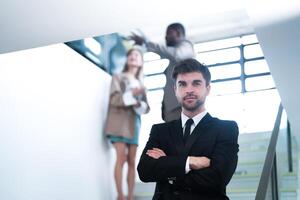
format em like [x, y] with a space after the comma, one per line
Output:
[133, 34]
[199, 162]
[155, 153]
[160, 151]
[137, 39]
[205, 161]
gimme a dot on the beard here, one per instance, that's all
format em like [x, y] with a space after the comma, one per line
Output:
[194, 106]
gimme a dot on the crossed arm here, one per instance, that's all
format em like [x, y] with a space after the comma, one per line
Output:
[156, 165]
[206, 173]
[194, 162]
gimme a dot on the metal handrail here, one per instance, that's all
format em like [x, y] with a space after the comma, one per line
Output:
[269, 160]
[289, 147]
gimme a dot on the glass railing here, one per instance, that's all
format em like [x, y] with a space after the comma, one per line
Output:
[279, 176]
[283, 183]
[106, 51]
[267, 163]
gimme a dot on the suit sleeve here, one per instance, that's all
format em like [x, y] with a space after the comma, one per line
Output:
[183, 51]
[162, 169]
[223, 162]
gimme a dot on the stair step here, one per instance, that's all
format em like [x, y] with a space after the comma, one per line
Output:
[233, 193]
[253, 137]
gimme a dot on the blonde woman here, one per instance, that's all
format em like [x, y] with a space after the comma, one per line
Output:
[127, 102]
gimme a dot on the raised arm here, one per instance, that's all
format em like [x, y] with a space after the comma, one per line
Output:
[180, 52]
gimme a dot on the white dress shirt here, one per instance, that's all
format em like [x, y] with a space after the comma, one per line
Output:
[196, 120]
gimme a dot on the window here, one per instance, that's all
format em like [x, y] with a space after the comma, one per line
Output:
[256, 67]
[248, 109]
[249, 39]
[226, 87]
[156, 66]
[218, 44]
[150, 56]
[259, 83]
[225, 71]
[252, 51]
[155, 82]
[155, 96]
[219, 56]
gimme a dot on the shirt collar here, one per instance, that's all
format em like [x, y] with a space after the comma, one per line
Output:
[196, 118]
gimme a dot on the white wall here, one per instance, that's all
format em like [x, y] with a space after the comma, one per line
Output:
[53, 103]
[280, 42]
[281, 45]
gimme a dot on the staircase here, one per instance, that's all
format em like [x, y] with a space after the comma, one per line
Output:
[253, 148]
[243, 186]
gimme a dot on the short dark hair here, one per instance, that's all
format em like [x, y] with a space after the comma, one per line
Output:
[178, 27]
[191, 65]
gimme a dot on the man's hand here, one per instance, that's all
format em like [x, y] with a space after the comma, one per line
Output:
[155, 153]
[199, 162]
[137, 39]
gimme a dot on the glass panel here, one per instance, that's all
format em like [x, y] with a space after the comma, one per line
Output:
[253, 51]
[149, 56]
[248, 39]
[92, 57]
[225, 71]
[226, 87]
[256, 67]
[259, 83]
[157, 66]
[254, 135]
[218, 44]
[157, 81]
[93, 45]
[287, 180]
[219, 56]
[269, 190]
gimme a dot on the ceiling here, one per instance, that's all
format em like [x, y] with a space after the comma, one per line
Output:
[29, 24]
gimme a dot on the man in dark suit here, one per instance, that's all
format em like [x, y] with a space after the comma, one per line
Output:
[195, 156]
[177, 48]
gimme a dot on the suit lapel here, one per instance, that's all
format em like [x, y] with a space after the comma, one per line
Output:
[199, 129]
[177, 135]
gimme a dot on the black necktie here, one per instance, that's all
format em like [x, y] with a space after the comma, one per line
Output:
[187, 129]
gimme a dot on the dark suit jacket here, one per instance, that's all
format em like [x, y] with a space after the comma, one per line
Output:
[213, 138]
